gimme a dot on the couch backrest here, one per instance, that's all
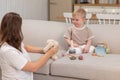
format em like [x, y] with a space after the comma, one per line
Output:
[109, 34]
[37, 32]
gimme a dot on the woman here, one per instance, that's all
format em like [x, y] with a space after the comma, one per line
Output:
[14, 60]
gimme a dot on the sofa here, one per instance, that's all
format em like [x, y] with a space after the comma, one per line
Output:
[37, 32]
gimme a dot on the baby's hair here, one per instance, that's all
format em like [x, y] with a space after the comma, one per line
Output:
[80, 12]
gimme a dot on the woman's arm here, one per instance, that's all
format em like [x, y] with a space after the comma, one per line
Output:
[34, 49]
[34, 66]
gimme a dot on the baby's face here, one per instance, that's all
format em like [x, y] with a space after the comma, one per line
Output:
[78, 21]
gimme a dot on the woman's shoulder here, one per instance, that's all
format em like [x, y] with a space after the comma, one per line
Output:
[6, 48]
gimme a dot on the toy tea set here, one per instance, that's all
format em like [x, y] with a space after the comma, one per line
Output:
[73, 51]
[101, 50]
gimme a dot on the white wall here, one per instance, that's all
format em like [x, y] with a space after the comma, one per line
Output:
[28, 9]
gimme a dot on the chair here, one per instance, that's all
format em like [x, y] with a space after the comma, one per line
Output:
[88, 17]
[113, 11]
[68, 17]
[108, 18]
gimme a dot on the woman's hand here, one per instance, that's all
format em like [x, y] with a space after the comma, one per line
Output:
[53, 50]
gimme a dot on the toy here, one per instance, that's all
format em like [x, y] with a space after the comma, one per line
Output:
[74, 50]
[94, 54]
[51, 43]
[72, 57]
[80, 57]
[71, 49]
[64, 54]
[102, 49]
[107, 50]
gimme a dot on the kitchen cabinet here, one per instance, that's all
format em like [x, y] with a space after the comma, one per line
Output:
[57, 7]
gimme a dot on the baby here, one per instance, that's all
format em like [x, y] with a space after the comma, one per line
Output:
[79, 36]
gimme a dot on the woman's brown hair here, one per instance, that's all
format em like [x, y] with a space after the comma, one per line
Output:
[11, 30]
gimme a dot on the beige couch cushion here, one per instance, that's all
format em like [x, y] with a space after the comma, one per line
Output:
[91, 67]
[46, 68]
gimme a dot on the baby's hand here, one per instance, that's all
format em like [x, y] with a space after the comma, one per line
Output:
[86, 49]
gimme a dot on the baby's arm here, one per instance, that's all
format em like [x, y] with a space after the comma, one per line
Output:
[68, 41]
[87, 47]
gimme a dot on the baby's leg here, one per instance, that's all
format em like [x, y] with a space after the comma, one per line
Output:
[91, 50]
[82, 47]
